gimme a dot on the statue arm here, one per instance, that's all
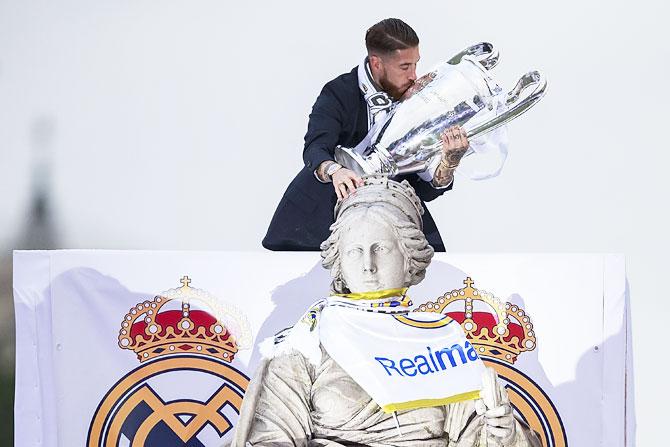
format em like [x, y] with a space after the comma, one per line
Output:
[470, 436]
[280, 410]
[463, 425]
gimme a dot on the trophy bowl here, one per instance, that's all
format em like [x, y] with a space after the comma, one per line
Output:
[460, 92]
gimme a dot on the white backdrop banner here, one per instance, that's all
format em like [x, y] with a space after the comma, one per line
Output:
[156, 349]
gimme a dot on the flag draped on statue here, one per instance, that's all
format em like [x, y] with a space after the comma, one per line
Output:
[403, 361]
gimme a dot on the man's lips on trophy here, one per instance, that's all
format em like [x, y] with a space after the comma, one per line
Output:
[407, 91]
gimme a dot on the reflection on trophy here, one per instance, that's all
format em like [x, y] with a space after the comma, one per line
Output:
[460, 92]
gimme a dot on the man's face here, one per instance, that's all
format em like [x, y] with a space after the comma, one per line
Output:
[396, 72]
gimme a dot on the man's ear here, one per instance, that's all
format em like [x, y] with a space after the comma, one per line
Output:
[375, 62]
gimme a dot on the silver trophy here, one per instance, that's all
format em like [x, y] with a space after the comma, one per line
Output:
[460, 92]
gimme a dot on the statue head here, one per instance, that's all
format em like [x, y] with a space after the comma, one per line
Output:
[377, 242]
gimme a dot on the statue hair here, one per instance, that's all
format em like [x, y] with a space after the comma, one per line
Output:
[413, 244]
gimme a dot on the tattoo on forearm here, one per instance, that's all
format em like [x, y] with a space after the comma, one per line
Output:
[443, 176]
[454, 157]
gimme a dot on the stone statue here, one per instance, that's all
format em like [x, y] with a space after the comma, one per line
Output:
[301, 396]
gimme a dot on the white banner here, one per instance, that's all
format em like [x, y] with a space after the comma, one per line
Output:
[128, 348]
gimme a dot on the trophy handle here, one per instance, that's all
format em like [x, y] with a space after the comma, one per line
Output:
[484, 53]
[516, 106]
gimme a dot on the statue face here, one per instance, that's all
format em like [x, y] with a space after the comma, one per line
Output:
[370, 256]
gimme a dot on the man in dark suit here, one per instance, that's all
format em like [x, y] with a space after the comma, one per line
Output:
[342, 114]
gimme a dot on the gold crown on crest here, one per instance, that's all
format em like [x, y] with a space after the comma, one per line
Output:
[160, 327]
[496, 329]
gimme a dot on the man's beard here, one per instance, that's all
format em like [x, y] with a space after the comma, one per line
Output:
[392, 90]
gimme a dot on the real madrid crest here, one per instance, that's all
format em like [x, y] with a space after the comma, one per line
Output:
[500, 332]
[186, 390]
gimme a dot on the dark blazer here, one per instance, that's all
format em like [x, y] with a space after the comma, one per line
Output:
[305, 212]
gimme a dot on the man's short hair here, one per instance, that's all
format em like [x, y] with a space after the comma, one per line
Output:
[389, 35]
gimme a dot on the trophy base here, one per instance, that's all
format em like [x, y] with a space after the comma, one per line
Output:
[348, 158]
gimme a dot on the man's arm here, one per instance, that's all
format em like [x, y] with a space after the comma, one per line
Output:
[454, 145]
[323, 131]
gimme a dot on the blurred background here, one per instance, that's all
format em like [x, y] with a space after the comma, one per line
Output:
[178, 125]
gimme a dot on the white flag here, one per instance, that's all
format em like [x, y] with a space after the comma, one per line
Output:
[403, 361]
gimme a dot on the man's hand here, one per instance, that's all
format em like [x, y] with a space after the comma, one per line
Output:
[345, 182]
[454, 145]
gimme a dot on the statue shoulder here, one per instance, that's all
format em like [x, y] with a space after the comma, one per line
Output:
[301, 338]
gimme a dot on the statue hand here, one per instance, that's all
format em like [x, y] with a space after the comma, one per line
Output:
[500, 425]
[494, 405]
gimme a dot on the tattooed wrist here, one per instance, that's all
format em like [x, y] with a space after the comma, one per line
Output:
[443, 176]
[321, 170]
[453, 158]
